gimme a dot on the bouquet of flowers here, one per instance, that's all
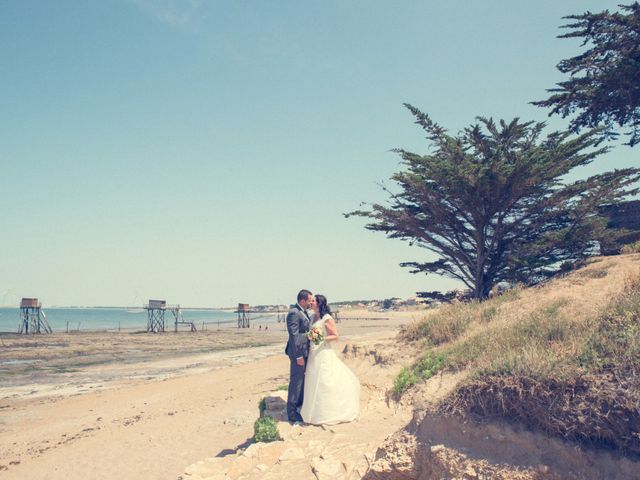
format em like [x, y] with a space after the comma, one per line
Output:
[315, 335]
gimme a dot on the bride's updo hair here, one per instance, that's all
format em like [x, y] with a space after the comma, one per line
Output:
[323, 306]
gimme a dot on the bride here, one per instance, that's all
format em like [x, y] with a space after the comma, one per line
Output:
[331, 390]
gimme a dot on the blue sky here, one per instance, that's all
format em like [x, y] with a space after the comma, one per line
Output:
[204, 152]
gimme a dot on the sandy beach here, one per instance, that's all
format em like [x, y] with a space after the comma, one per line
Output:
[137, 405]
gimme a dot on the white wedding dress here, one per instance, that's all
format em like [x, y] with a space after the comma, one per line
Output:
[331, 390]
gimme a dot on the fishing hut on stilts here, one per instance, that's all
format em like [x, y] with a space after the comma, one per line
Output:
[244, 313]
[155, 316]
[32, 317]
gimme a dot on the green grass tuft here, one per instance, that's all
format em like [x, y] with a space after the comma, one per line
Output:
[423, 370]
[266, 430]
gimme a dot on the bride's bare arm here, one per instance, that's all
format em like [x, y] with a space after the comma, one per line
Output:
[332, 330]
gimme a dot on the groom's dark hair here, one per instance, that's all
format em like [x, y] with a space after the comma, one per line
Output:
[304, 294]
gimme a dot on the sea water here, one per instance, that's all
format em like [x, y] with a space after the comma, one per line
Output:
[96, 319]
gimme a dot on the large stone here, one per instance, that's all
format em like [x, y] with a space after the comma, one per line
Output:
[267, 453]
[240, 465]
[276, 406]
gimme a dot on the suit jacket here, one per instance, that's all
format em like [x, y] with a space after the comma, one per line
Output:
[297, 326]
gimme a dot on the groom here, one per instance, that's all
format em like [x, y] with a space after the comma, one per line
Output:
[298, 350]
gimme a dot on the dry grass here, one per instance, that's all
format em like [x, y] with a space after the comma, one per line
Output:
[631, 248]
[451, 322]
[563, 358]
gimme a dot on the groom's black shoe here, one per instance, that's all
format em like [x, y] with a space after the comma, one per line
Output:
[296, 419]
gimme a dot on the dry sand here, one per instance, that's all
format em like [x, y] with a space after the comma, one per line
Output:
[129, 406]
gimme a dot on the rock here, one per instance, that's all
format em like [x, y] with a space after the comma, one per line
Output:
[293, 453]
[284, 429]
[276, 398]
[265, 453]
[396, 457]
[252, 451]
[239, 466]
[205, 468]
[315, 446]
[327, 467]
[276, 406]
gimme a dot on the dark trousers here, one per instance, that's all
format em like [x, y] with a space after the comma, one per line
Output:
[295, 394]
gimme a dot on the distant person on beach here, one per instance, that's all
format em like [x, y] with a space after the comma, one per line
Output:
[298, 350]
[331, 390]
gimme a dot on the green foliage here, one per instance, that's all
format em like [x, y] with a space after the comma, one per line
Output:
[405, 379]
[603, 85]
[493, 202]
[423, 370]
[266, 430]
[283, 387]
[429, 366]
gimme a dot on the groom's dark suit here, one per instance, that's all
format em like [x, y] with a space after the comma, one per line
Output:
[297, 346]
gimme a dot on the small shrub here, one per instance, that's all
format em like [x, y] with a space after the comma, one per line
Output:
[405, 379]
[429, 366]
[265, 430]
[283, 387]
[421, 371]
[631, 248]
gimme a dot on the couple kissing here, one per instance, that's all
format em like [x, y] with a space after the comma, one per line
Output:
[322, 389]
